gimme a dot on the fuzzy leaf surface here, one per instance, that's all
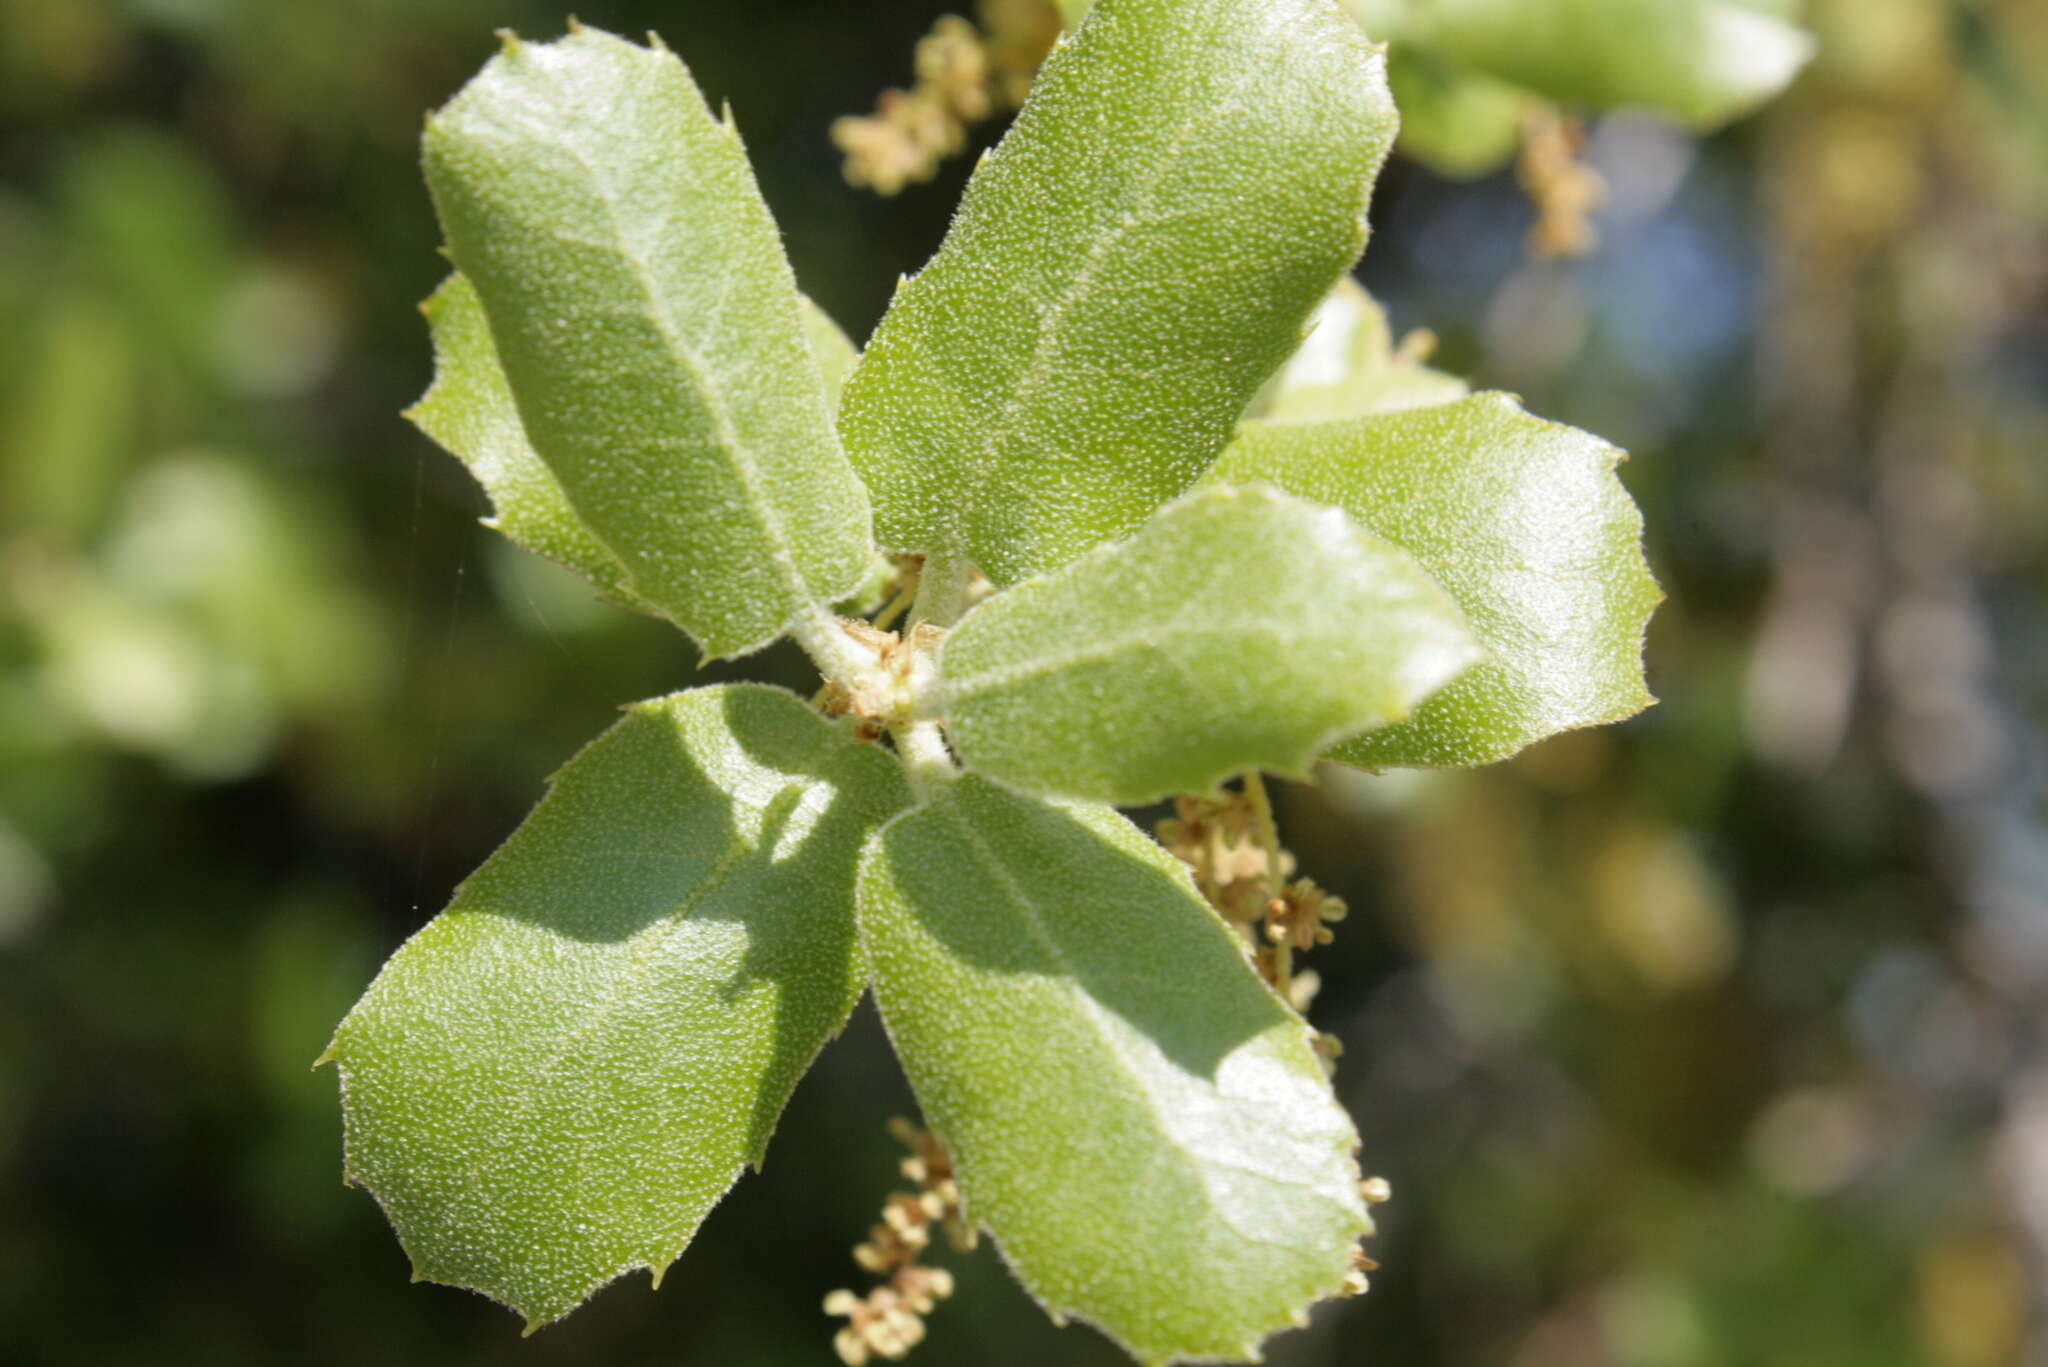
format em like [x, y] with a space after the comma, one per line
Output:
[1136, 1118]
[1239, 628]
[558, 1076]
[1704, 61]
[835, 351]
[1347, 366]
[1182, 188]
[1525, 524]
[469, 411]
[650, 331]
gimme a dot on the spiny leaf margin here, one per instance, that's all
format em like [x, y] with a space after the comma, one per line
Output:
[1239, 628]
[1525, 523]
[1182, 187]
[699, 857]
[649, 326]
[981, 912]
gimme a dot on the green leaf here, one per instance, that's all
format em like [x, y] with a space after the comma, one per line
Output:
[836, 353]
[1524, 522]
[552, 1082]
[1705, 61]
[1453, 120]
[1239, 628]
[469, 411]
[1348, 367]
[1182, 188]
[649, 327]
[1136, 1118]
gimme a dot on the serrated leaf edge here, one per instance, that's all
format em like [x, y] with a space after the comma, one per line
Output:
[1637, 622]
[661, 314]
[1302, 766]
[658, 1266]
[1249, 1351]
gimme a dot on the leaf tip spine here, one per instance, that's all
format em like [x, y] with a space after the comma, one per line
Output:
[508, 43]
[574, 25]
[655, 43]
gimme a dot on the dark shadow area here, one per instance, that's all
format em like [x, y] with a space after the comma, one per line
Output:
[635, 832]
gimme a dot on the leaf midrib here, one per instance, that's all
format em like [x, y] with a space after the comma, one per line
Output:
[1033, 373]
[645, 953]
[696, 368]
[1092, 1011]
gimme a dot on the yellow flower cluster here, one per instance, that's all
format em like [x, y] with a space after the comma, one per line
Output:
[1234, 849]
[964, 76]
[1564, 189]
[1245, 876]
[889, 1321]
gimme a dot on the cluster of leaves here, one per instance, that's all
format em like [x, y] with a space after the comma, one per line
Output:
[1477, 81]
[1209, 550]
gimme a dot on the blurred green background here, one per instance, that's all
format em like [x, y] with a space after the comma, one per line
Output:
[1717, 1038]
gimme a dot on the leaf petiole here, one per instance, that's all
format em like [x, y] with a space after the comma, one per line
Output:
[838, 656]
[926, 758]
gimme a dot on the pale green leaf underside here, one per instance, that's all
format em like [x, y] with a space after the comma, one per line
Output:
[1136, 1118]
[1525, 524]
[835, 351]
[650, 330]
[554, 1080]
[1184, 185]
[837, 355]
[1239, 628]
[1347, 367]
[469, 411]
[1704, 61]
[1458, 121]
